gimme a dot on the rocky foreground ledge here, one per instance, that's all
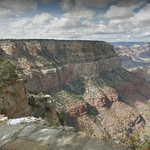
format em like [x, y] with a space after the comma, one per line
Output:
[36, 135]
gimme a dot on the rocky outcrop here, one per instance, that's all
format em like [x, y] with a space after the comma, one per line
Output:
[39, 137]
[76, 110]
[43, 106]
[13, 100]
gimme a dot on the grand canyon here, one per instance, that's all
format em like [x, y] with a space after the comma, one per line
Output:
[86, 80]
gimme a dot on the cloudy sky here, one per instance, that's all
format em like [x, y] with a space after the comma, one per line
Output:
[102, 20]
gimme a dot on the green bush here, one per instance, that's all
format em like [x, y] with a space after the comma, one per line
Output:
[7, 72]
[47, 108]
[33, 92]
[4, 111]
[31, 101]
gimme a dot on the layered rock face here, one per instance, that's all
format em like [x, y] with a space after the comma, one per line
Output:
[114, 100]
[85, 79]
[13, 100]
[76, 110]
[48, 64]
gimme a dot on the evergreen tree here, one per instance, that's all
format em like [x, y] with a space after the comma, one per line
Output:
[7, 72]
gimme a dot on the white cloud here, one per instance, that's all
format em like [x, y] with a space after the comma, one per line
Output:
[80, 12]
[76, 22]
[101, 22]
[65, 23]
[116, 12]
[6, 13]
[114, 23]
[44, 18]
[19, 24]
[66, 4]
[87, 23]
[141, 18]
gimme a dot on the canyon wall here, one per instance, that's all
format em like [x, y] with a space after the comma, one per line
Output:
[85, 79]
[48, 64]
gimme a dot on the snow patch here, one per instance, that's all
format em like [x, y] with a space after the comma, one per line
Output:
[22, 120]
[3, 118]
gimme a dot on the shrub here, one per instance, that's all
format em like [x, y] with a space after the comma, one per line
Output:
[43, 99]
[7, 72]
[31, 101]
[4, 111]
[33, 92]
[47, 108]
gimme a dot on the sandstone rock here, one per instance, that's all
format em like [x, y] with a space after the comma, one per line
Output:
[68, 141]
[46, 136]
[51, 139]
[2, 123]
[7, 132]
[76, 110]
[20, 144]
[27, 130]
[94, 144]
[13, 100]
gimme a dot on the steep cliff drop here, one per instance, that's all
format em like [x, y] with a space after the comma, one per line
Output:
[86, 80]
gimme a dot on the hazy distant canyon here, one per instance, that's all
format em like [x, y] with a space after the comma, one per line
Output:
[135, 57]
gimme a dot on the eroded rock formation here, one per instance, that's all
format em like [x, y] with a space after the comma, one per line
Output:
[48, 64]
[44, 107]
[13, 100]
[88, 72]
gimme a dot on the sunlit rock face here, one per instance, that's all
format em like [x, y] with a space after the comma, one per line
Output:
[48, 64]
[13, 100]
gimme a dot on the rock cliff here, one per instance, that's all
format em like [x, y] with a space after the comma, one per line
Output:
[48, 64]
[85, 79]
[13, 100]
[34, 135]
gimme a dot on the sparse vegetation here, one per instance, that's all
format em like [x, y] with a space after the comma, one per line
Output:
[61, 119]
[4, 111]
[131, 138]
[33, 92]
[47, 108]
[32, 103]
[43, 99]
[1, 116]
[8, 74]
